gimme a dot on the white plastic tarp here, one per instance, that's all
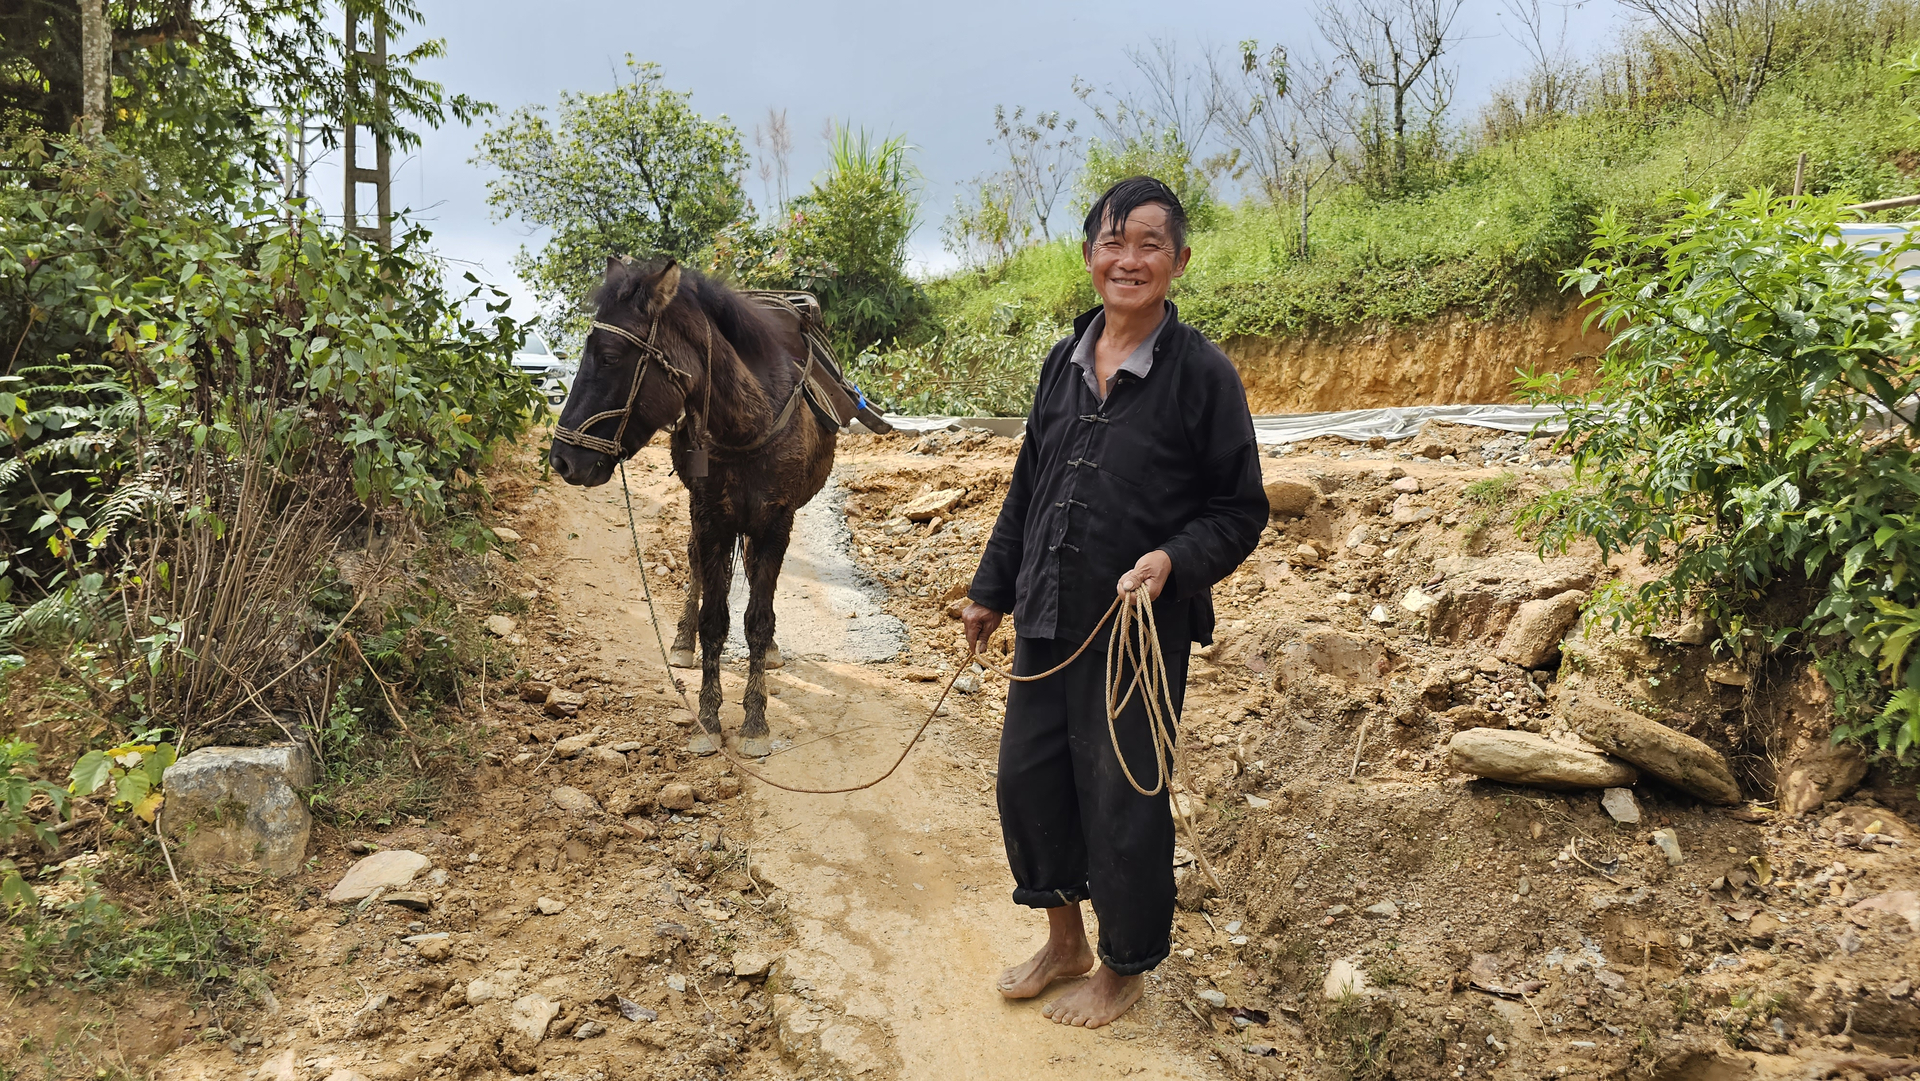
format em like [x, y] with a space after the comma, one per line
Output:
[1359, 425]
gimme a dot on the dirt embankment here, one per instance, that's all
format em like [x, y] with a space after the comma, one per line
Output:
[1453, 360]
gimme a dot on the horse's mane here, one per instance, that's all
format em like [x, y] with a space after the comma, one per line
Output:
[739, 320]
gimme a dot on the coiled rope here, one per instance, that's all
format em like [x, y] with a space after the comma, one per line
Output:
[1134, 641]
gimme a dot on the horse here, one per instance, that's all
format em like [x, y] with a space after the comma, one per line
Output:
[669, 346]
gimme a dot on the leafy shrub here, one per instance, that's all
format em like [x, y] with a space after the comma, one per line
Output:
[214, 395]
[1752, 432]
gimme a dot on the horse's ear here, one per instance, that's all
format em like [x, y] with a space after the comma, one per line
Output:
[666, 287]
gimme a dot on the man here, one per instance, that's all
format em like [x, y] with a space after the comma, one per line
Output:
[1139, 468]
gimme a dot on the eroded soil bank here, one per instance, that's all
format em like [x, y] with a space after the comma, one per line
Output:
[1453, 360]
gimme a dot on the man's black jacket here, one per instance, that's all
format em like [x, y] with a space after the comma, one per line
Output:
[1167, 461]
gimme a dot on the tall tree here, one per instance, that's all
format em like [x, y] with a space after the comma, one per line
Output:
[1393, 47]
[634, 170]
[1733, 42]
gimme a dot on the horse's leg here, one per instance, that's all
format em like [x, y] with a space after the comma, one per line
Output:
[765, 553]
[681, 655]
[716, 571]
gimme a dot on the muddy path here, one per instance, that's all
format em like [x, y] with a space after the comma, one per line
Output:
[897, 895]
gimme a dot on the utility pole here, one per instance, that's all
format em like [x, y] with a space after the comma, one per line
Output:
[381, 175]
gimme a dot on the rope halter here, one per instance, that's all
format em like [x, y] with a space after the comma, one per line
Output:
[650, 354]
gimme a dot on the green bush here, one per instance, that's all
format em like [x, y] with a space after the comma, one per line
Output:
[1750, 435]
[207, 397]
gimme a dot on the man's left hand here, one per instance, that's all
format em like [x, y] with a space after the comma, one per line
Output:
[1152, 571]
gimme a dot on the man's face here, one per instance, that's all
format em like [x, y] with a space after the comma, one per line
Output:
[1135, 262]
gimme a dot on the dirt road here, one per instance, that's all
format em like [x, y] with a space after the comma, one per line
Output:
[898, 895]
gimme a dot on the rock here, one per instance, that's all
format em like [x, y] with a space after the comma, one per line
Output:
[1289, 498]
[484, 990]
[574, 801]
[1333, 653]
[677, 983]
[1465, 717]
[1902, 903]
[501, 626]
[1385, 910]
[530, 1016]
[1405, 512]
[1727, 674]
[1213, 998]
[726, 787]
[1343, 978]
[1619, 803]
[934, 504]
[1407, 484]
[968, 683]
[510, 536]
[1257, 803]
[1826, 771]
[535, 690]
[1533, 638]
[751, 966]
[549, 907]
[587, 1030]
[1674, 757]
[383, 870]
[1418, 601]
[344, 1074]
[564, 703]
[434, 948]
[239, 809]
[1698, 630]
[1379, 614]
[573, 745]
[412, 900]
[676, 797]
[281, 1067]
[1307, 553]
[1668, 842]
[608, 756]
[1531, 759]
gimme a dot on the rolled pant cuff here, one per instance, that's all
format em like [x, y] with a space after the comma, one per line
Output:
[1050, 898]
[1134, 968]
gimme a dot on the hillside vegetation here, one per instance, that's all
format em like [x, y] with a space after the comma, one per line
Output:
[1486, 223]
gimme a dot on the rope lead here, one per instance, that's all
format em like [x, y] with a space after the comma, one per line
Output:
[1134, 640]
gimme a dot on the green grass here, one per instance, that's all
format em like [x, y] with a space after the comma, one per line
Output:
[1491, 232]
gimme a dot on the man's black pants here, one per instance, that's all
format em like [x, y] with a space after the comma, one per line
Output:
[1074, 828]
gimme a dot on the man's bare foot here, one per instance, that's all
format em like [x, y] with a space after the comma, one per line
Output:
[1056, 961]
[1099, 1001]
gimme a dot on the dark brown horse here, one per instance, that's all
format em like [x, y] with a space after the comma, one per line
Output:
[669, 346]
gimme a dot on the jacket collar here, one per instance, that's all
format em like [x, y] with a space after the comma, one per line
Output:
[1085, 319]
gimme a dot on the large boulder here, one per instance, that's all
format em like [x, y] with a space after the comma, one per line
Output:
[1674, 757]
[1533, 638]
[1820, 773]
[239, 808]
[1530, 759]
[1290, 497]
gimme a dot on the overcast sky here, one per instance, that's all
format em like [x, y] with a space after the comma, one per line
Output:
[932, 72]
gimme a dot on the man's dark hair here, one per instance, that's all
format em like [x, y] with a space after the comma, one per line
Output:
[1118, 203]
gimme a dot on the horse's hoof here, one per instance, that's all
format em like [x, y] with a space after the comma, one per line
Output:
[756, 746]
[703, 745]
[683, 658]
[774, 659]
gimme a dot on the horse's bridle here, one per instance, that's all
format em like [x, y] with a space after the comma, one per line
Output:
[650, 354]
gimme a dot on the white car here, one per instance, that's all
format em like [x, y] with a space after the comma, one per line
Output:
[551, 375]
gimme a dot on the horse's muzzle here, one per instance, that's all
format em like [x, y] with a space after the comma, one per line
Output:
[576, 465]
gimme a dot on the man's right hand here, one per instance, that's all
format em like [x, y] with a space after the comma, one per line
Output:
[981, 622]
